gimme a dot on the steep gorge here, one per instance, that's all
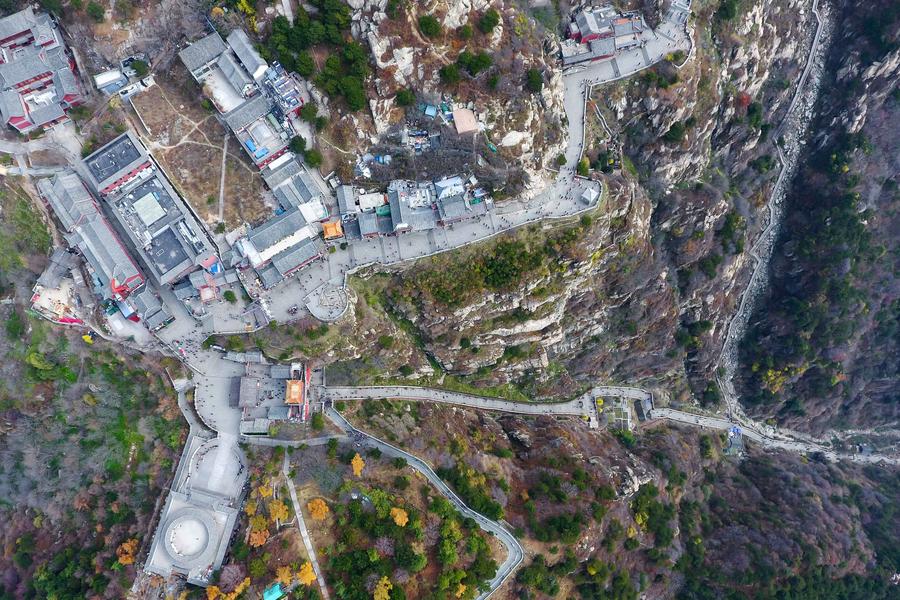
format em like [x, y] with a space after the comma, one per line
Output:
[822, 349]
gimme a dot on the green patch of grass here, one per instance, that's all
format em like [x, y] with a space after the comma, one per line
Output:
[23, 229]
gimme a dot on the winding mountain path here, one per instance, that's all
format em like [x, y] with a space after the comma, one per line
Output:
[585, 406]
[515, 554]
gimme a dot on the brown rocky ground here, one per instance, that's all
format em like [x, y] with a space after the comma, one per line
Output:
[189, 142]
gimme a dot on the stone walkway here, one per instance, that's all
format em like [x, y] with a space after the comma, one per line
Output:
[304, 532]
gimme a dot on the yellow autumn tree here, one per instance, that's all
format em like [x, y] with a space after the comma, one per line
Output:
[240, 589]
[401, 518]
[640, 518]
[283, 575]
[278, 511]
[212, 592]
[357, 464]
[125, 551]
[250, 508]
[265, 490]
[246, 7]
[461, 590]
[258, 523]
[306, 575]
[317, 508]
[258, 538]
[382, 588]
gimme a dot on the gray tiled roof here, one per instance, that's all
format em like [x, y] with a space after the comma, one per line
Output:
[245, 51]
[47, 113]
[150, 309]
[65, 82]
[202, 52]
[61, 262]
[103, 251]
[368, 223]
[17, 23]
[145, 302]
[277, 176]
[11, 105]
[297, 190]
[31, 63]
[452, 207]
[280, 371]
[233, 72]
[157, 318]
[248, 112]
[418, 219]
[45, 56]
[603, 46]
[269, 276]
[599, 48]
[276, 229]
[45, 31]
[300, 254]
[587, 23]
[385, 224]
[346, 199]
[351, 229]
[278, 413]
[68, 198]
[185, 291]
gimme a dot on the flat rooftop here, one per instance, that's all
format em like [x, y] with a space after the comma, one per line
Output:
[115, 160]
[167, 252]
[159, 225]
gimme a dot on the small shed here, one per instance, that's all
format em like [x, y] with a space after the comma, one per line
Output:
[590, 195]
[465, 122]
[110, 82]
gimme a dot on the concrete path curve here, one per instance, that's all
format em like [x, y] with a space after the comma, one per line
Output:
[515, 554]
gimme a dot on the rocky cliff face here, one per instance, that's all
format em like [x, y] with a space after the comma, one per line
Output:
[528, 128]
[700, 138]
[648, 288]
[589, 302]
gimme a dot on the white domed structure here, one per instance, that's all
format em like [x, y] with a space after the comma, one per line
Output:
[187, 537]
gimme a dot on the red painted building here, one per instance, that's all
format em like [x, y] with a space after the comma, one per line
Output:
[38, 81]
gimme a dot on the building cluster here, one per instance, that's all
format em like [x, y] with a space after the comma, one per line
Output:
[419, 137]
[599, 32]
[409, 206]
[256, 101]
[288, 241]
[147, 220]
[268, 394]
[37, 75]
